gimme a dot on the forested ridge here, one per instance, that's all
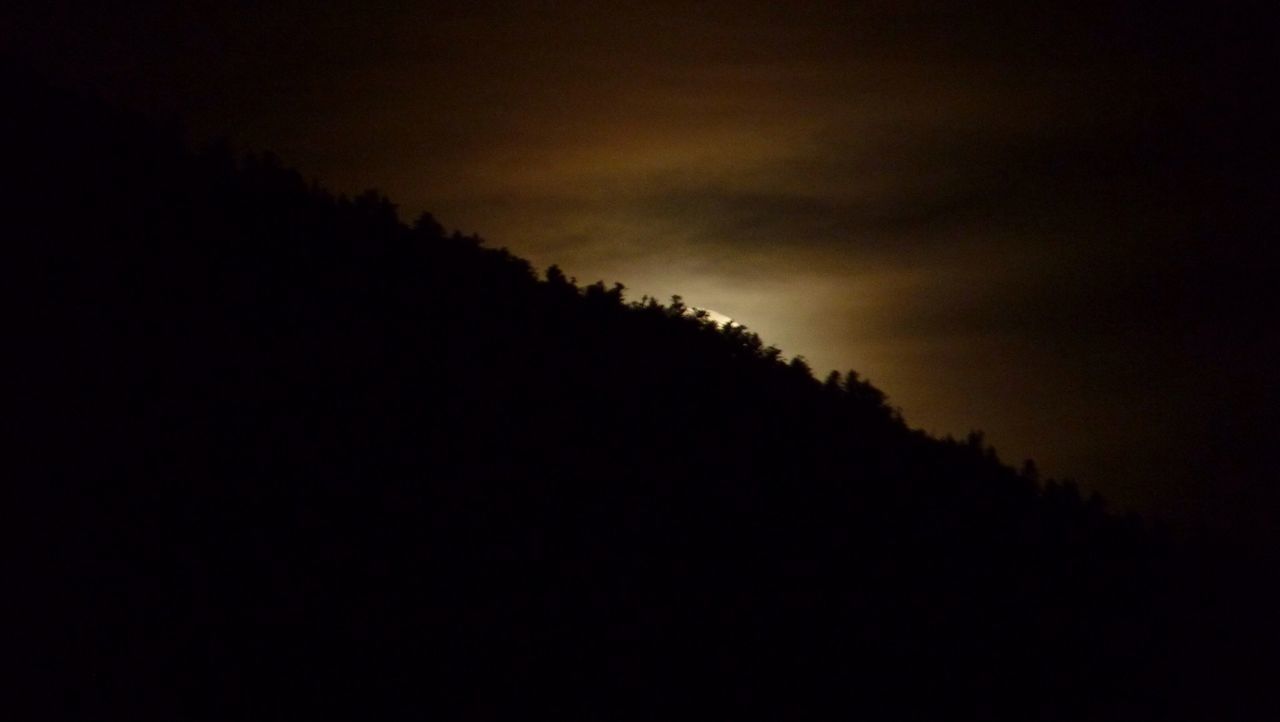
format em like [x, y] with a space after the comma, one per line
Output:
[291, 457]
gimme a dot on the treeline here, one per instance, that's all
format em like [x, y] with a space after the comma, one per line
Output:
[294, 458]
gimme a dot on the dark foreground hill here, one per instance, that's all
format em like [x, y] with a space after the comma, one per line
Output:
[293, 459]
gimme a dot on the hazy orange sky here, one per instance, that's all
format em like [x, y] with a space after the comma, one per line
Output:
[1040, 220]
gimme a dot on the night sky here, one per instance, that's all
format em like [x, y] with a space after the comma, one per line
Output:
[1050, 221]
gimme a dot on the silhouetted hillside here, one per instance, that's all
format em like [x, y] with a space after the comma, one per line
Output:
[292, 458]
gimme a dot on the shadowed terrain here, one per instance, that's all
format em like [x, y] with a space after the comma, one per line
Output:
[293, 458]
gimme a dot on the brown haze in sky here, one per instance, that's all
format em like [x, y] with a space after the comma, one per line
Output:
[997, 213]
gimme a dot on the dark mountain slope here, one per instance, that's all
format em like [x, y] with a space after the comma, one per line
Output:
[294, 459]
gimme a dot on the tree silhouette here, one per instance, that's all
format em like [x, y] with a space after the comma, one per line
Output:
[297, 459]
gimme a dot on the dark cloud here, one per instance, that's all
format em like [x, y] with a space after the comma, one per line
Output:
[1050, 220]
